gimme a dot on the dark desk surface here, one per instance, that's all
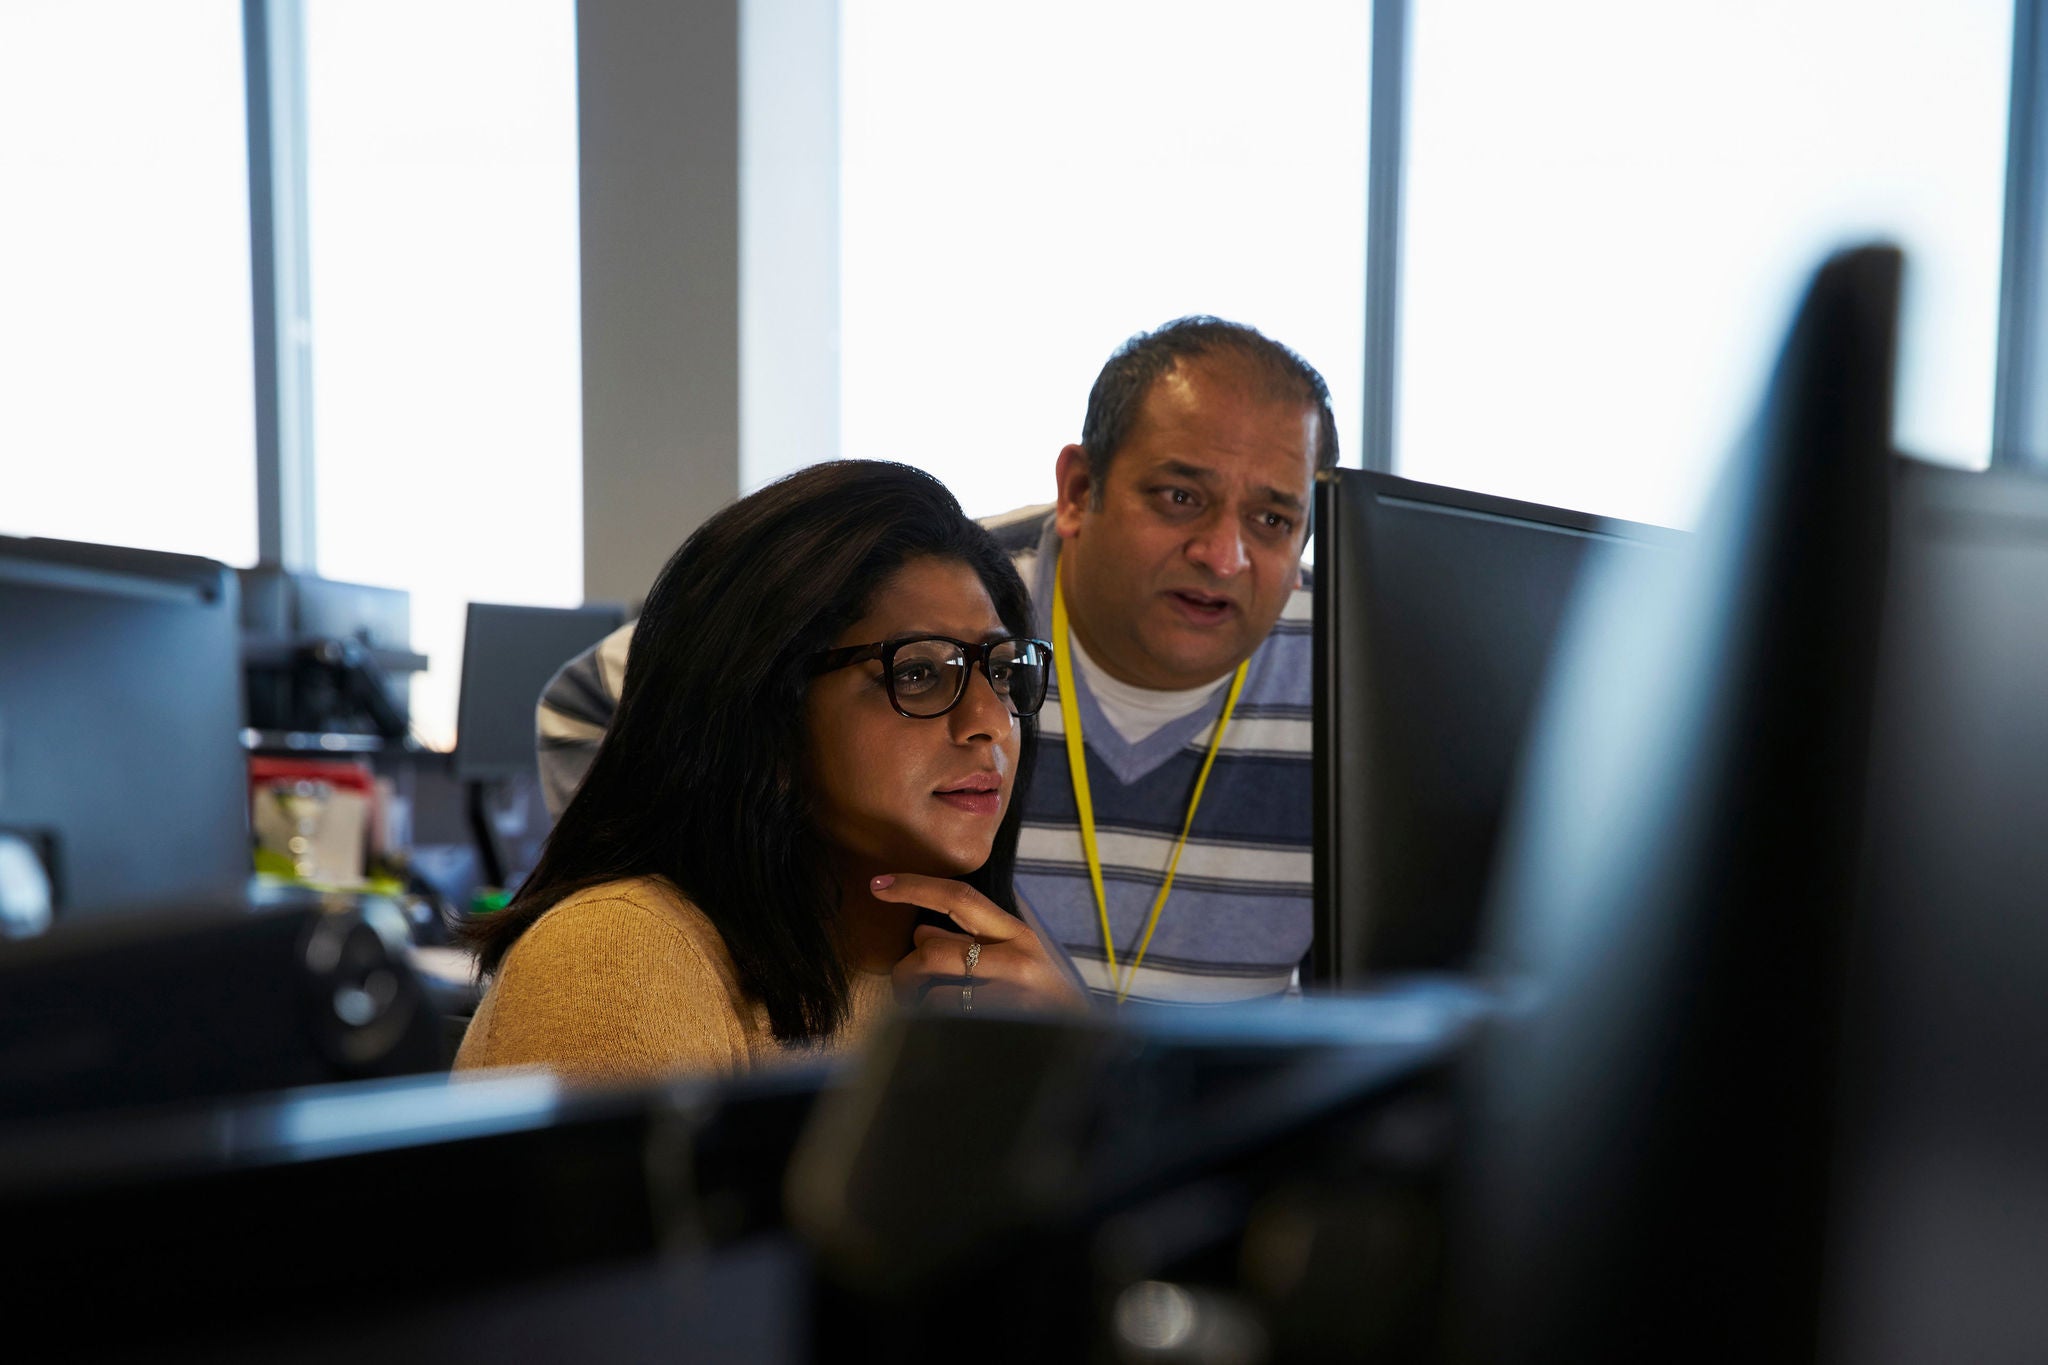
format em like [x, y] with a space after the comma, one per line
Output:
[505, 1215]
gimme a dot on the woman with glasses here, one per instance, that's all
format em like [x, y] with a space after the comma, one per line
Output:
[807, 804]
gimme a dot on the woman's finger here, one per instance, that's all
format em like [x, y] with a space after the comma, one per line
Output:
[938, 953]
[972, 911]
[1018, 970]
[1010, 964]
[936, 972]
[925, 933]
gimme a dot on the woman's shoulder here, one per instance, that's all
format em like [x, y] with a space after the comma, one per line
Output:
[642, 901]
[657, 897]
[640, 911]
[623, 978]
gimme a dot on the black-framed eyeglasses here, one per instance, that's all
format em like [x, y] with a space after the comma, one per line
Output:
[926, 675]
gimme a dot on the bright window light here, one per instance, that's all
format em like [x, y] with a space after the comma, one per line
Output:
[1613, 205]
[129, 415]
[1025, 186]
[446, 358]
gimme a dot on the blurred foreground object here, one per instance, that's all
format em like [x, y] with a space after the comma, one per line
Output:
[1679, 888]
[493, 1219]
[185, 1006]
[1939, 1187]
[1085, 1162]
[1085, 1166]
[1774, 883]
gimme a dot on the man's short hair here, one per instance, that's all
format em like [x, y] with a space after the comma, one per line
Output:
[1146, 358]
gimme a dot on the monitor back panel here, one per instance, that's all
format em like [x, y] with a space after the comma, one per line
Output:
[120, 723]
[508, 655]
[1936, 1247]
[1436, 612]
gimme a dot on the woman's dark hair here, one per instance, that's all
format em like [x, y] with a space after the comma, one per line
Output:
[700, 778]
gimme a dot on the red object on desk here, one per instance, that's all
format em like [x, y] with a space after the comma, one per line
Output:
[343, 774]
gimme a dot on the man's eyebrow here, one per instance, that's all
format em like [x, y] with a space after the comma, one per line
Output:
[1181, 469]
[1286, 499]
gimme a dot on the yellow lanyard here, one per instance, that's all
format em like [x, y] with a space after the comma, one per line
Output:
[1077, 766]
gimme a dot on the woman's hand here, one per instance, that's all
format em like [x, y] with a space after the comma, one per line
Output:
[1012, 970]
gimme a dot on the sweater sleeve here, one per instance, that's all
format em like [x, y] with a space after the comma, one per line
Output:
[608, 990]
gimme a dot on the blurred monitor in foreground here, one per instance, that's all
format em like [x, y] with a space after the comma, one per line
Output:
[1436, 612]
[1682, 890]
[123, 783]
[1935, 1247]
[185, 1005]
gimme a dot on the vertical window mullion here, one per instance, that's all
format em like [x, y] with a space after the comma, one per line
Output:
[275, 59]
[1385, 150]
[2020, 408]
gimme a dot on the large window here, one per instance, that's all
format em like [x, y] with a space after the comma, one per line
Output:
[124, 276]
[441, 156]
[1611, 206]
[1026, 186]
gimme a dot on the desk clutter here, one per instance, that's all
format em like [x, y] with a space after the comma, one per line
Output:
[318, 821]
[228, 865]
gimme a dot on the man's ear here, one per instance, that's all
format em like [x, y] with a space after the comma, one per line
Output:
[1071, 476]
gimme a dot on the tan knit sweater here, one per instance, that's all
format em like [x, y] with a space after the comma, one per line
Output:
[629, 981]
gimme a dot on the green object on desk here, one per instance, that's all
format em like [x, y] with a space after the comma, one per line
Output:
[489, 902]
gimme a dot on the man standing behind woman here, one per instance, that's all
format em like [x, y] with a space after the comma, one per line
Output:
[1166, 843]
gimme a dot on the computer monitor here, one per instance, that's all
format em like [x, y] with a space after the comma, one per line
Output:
[1933, 1244]
[1680, 892]
[508, 655]
[121, 766]
[324, 658]
[1436, 611]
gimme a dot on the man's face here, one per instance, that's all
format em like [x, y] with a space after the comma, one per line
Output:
[1179, 573]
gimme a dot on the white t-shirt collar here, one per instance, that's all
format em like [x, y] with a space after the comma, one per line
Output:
[1137, 712]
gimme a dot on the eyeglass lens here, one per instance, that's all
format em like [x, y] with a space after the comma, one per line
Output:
[928, 676]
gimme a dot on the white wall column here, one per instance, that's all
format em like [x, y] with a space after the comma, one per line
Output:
[789, 236]
[659, 94]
